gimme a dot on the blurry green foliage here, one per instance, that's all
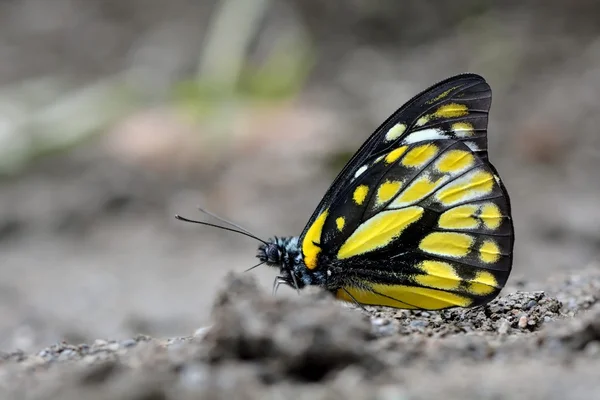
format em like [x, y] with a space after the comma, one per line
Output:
[280, 76]
[48, 117]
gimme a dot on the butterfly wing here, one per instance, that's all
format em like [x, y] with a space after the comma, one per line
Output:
[419, 218]
[413, 122]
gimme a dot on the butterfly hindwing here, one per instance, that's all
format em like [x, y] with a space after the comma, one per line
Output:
[430, 229]
[419, 218]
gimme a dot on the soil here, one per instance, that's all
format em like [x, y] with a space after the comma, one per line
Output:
[521, 345]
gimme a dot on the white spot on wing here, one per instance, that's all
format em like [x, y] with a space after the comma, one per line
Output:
[472, 145]
[462, 130]
[360, 171]
[425, 134]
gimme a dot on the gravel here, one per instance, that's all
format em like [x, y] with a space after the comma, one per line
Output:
[521, 345]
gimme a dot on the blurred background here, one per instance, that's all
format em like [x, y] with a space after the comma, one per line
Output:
[117, 114]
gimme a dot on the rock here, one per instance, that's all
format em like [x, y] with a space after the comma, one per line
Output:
[523, 322]
[504, 327]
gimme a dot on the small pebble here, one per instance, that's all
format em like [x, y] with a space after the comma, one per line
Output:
[143, 338]
[386, 330]
[504, 327]
[100, 342]
[128, 343]
[530, 305]
[377, 321]
[417, 323]
[66, 355]
[200, 332]
[114, 346]
[523, 322]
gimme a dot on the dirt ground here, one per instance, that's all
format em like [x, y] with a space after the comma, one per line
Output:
[104, 295]
[524, 344]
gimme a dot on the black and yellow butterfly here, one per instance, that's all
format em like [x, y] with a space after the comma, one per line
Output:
[418, 218]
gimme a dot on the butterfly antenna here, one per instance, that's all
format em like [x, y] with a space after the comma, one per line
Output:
[241, 232]
[257, 265]
[225, 221]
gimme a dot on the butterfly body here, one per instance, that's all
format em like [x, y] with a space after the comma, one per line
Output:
[418, 218]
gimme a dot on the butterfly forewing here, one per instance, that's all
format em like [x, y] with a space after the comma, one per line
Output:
[454, 108]
[419, 218]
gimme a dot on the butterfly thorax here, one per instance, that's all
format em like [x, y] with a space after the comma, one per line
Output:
[285, 253]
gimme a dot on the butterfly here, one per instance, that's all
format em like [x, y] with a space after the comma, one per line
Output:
[417, 219]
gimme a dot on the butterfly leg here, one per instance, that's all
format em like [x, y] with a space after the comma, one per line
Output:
[354, 299]
[278, 281]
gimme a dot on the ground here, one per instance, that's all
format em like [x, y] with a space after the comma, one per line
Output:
[521, 345]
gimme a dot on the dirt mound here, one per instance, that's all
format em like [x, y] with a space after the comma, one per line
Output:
[521, 345]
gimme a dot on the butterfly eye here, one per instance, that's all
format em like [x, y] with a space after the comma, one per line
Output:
[273, 254]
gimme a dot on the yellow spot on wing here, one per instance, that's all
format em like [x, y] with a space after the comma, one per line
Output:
[403, 296]
[438, 275]
[395, 154]
[471, 186]
[340, 222]
[483, 284]
[489, 252]
[360, 193]
[420, 155]
[379, 231]
[416, 191]
[441, 95]
[423, 120]
[448, 244]
[455, 161]
[395, 132]
[461, 217]
[463, 129]
[491, 215]
[451, 110]
[387, 190]
[310, 250]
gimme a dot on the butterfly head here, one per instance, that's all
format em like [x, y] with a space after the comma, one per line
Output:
[271, 253]
[285, 254]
